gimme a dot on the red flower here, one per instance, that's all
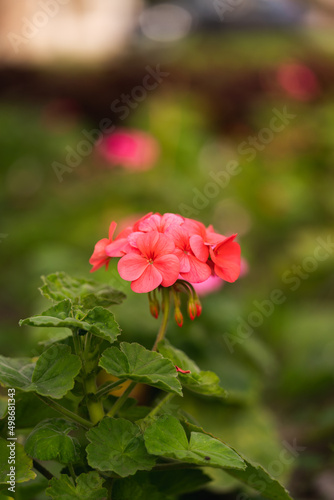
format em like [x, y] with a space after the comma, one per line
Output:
[159, 249]
[226, 258]
[191, 268]
[153, 263]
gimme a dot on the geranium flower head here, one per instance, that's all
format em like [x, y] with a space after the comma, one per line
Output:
[153, 263]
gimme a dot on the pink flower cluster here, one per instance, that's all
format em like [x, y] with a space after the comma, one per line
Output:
[160, 249]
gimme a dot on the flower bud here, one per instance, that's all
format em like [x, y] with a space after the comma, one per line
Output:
[154, 309]
[178, 316]
[192, 310]
[198, 307]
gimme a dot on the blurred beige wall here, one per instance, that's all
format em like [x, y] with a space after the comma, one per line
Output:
[45, 31]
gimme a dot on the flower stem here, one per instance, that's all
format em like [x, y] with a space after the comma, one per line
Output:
[42, 470]
[161, 403]
[68, 413]
[121, 400]
[73, 476]
[107, 388]
[163, 326]
[95, 408]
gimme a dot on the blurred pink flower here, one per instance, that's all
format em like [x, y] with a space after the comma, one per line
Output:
[131, 149]
[298, 81]
[214, 283]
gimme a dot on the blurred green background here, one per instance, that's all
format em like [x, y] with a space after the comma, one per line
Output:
[220, 91]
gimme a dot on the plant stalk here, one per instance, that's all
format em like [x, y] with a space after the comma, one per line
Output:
[68, 413]
[161, 403]
[121, 400]
[163, 326]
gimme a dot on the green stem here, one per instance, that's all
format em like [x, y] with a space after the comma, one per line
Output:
[68, 413]
[95, 408]
[73, 476]
[161, 403]
[163, 326]
[106, 389]
[42, 470]
[121, 400]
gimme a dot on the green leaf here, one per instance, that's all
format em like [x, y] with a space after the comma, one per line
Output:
[201, 382]
[102, 324]
[167, 438]
[16, 372]
[88, 487]
[254, 475]
[52, 375]
[50, 441]
[260, 480]
[87, 293]
[22, 463]
[117, 445]
[55, 371]
[136, 363]
[98, 321]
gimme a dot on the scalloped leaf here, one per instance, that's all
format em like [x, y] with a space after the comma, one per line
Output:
[23, 464]
[52, 375]
[167, 438]
[206, 383]
[49, 440]
[117, 445]
[136, 363]
[88, 487]
[87, 293]
[254, 475]
[98, 321]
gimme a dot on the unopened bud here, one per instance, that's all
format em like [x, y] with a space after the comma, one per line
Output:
[192, 310]
[154, 309]
[178, 316]
[198, 307]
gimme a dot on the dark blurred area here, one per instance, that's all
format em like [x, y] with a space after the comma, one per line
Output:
[109, 110]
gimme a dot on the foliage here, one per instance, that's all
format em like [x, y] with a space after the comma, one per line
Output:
[91, 433]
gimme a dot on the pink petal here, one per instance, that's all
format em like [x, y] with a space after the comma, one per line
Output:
[226, 257]
[212, 284]
[164, 245]
[99, 250]
[146, 242]
[116, 248]
[184, 260]
[229, 273]
[112, 228]
[199, 271]
[138, 223]
[180, 237]
[125, 233]
[169, 267]
[99, 263]
[148, 281]
[200, 250]
[131, 266]
[151, 223]
[168, 220]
